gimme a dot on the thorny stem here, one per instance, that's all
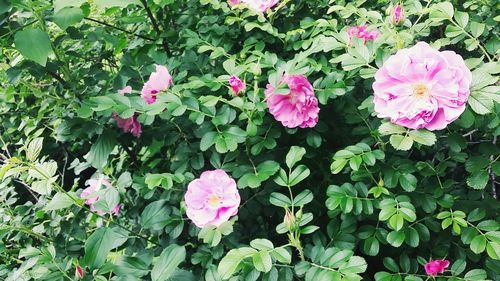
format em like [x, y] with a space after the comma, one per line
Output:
[156, 27]
[492, 174]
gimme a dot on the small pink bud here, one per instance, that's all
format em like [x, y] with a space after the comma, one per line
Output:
[236, 84]
[397, 15]
[79, 273]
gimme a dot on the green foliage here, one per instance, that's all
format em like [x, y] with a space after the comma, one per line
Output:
[354, 198]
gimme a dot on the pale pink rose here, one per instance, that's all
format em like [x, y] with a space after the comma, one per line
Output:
[159, 81]
[233, 2]
[93, 186]
[420, 87]
[298, 107]
[362, 32]
[260, 5]
[128, 125]
[236, 84]
[397, 15]
[433, 268]
[212, 198]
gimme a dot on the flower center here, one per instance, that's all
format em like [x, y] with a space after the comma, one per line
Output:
[214, 201]
[420, 90]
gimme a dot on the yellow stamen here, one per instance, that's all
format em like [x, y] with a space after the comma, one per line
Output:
[214, 201]
[420, 90]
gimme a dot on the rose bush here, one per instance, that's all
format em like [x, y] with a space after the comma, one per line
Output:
[249, 140]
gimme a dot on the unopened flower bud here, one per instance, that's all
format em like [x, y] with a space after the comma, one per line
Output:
[79, 273]
[381, 182]
[289, 220]
[397, 15]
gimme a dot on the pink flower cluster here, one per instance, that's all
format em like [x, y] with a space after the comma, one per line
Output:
[159, 81]
[435, 267]
[212, 198]
[296, 108]
[256, 5]
[362, 33]
[421, 87]
[128, 125]
[93, 186]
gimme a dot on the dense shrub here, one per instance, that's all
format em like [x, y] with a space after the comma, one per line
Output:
[261, 140]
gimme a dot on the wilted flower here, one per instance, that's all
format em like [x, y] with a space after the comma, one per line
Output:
[93, 186]
[298, 107]
[79, 273]
[397, 15]
[420, 87]
[212, 198]
[362, 33]
[436, 267]
[131, 124]
[236, 84]
[260, 5]
[159, 81]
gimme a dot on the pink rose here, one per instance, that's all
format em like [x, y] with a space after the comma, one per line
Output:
[159, 81]
[260, 5]
[128, 125]
[420, 87]
[212, 198]
[397, 15]
[298, 107]
[233, 2]
[93, 186]
[362, 33]
[236, 84]
[436, 267]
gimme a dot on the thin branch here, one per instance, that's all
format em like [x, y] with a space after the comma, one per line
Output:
[492, 173]
[156, 27]
[119, 28]
[58, 78]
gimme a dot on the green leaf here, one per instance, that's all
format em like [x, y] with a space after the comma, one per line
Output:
[478, 244]
[233, 258]
[33, 44]
[155, 216]
[262, 261]
[169, 259]
[104, 4]
[68, 16]
[408, 182]
[298, 174]
[390, 128]
[279, 200]
[294, 155]
[60, 201]
[423, 137]
[400, 142]
[354, 265]
[396, 238]
[478, 180]
[59, 4]
[303, 198]
[476, 274]
[371, 246]
[98, 246]
[462, 18]
[282, 255]
[100, 150]
[338, 165]
[262, 244]
[34, 148]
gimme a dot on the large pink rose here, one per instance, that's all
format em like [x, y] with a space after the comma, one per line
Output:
[421, 87]
[298, 107]
[159, 81]
[433, 268]
[260, 5]
[93, 186]
[212, 199]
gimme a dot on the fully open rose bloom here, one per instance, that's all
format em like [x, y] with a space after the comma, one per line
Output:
[93, 186]
[236, 84]
[436, 267]
[212, 198]
[421, 87]
[131, 124]
[260, 5]
[298, 107]
[159, 81]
